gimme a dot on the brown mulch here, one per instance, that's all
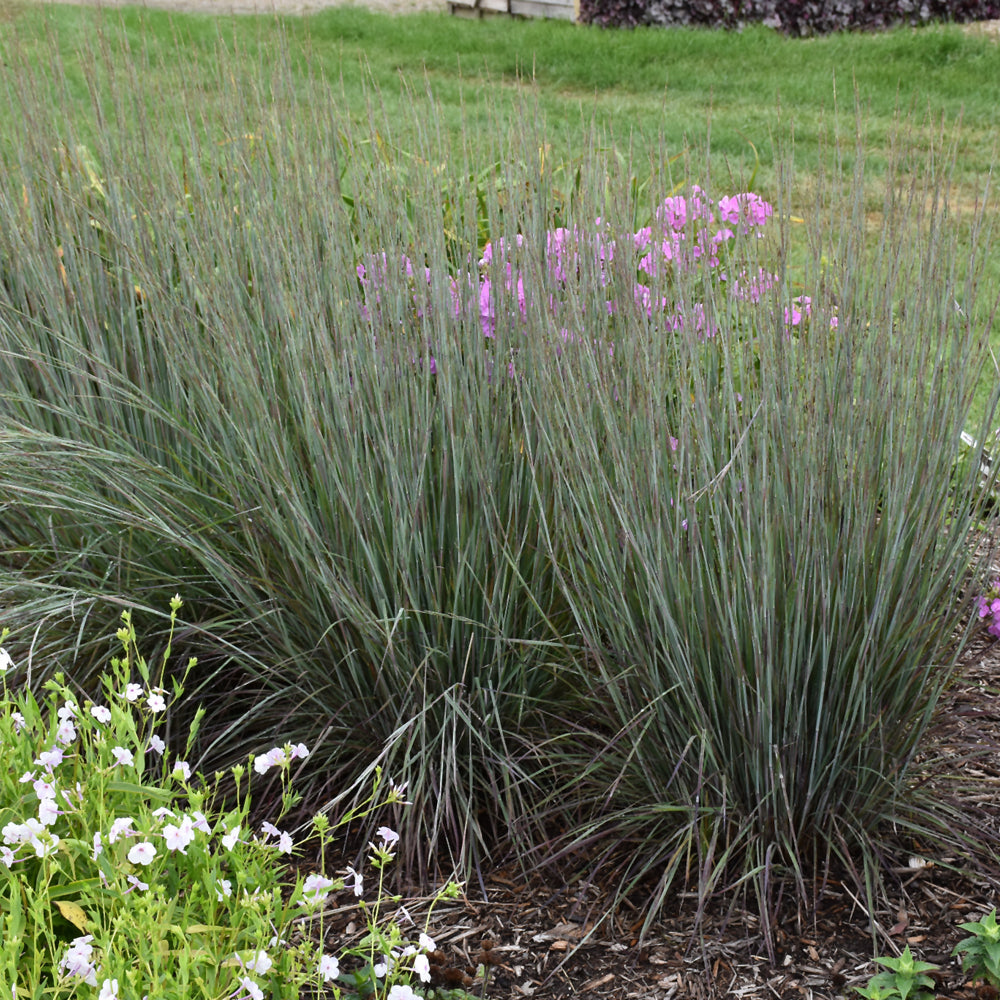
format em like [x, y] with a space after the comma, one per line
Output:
[537, 936]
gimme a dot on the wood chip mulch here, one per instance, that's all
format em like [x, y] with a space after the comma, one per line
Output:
[540, 936]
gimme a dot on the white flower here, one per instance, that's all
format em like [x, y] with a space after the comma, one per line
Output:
[155, 702]
[19, 722]
[77, 960]
[101, 713]
[109, 990]
[48, 813]
[133, 692]
[225, 889]
[123, 756]
[230, 839]
[21, 833]
[120, 828]
[66, 732]
[285, 844]
[252, 988]
[138, 883]
[387, 836]
[426, 942]
[44, 789]
[178, 837]
[422, 967]
[358, 881]
[156, 744]
[401, 992]
[45, 845]
[199, 822]
[329, 967]
[181, 771]
[300, 750]
[98, 846]
[315, 890]
[6, 661]
[142, 853]
[67, 713]
[259, 963]
[50, 758]
[7, 856]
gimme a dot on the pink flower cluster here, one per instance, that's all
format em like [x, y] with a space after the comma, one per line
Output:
[989, 607]
[686, 233]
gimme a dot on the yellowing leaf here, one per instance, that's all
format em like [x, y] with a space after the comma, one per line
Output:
[73, 912]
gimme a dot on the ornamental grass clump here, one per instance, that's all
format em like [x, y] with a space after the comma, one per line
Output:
[770, 563]
[194, 395]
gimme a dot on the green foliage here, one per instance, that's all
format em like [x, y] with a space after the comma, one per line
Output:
[981, 951]
[131, 874]
[906, 979]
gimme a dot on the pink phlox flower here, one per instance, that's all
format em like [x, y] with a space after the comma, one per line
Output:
[258, 962]
[285, 845]
[98, 846]
[68, 712]
[673, 213]
[274, 757]
[7, 856]
[156, 744]
[747, 209]
[181, 771]
[44, 789]
[199, 822]
[19, 721]
[45, 845]
[253, 990]
[401, 992]
[23, 833]
[27, 776]
[426, 942]
[133, 692]
[123, 756]
[700, 206]
[155, 702]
